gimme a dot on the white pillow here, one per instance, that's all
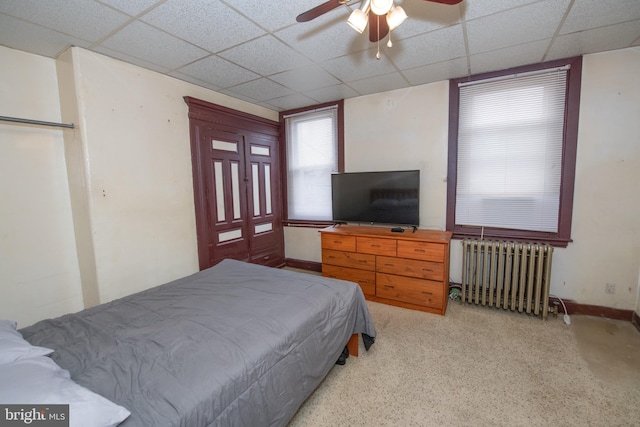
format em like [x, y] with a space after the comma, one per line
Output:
[40, 381]
[13, 347]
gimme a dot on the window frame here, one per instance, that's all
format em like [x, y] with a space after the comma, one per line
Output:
[283, 153]
[569, 148]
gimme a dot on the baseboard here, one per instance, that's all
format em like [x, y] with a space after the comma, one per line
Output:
[588, 310]
[636, 320]
[592, 310]
[303, 265]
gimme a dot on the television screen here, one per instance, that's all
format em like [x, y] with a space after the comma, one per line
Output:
[376, 197]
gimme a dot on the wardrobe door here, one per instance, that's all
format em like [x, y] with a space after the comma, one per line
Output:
[225, 195]
[265, 218]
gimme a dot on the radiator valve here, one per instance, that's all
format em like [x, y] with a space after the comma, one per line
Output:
[554, 309]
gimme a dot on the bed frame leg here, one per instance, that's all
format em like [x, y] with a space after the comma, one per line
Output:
[352, 345]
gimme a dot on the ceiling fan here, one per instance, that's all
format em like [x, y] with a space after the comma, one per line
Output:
[382, 16]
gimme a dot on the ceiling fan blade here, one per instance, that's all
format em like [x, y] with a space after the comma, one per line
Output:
[378, 27]
[319, 10]
[451, 2]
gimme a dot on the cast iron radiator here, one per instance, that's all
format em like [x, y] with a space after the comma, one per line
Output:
[510, 275]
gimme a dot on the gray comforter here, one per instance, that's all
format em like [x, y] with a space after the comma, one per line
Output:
[234, 345]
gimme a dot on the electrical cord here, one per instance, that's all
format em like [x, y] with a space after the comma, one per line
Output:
[566, 317]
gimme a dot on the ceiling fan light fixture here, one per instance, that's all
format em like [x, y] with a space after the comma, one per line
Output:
[381, 7]
[358, 20]
[395, 17]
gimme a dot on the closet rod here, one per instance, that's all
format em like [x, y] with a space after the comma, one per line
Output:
[36, 122]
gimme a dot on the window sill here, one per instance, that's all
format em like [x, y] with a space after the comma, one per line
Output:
[511, 235]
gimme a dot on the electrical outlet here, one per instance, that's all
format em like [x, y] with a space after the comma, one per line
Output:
[610, 288]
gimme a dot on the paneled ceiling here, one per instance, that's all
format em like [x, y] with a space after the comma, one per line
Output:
[256, 51]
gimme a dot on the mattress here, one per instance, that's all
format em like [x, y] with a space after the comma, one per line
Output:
[236, 344]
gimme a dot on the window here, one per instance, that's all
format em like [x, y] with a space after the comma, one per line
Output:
[314, 150]
[512, 145]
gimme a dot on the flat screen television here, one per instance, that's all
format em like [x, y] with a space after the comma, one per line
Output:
[390, 197]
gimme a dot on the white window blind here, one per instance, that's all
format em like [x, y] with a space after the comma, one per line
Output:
[312, 156]
[510, 140]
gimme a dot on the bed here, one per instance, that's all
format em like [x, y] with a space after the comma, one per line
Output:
[236, 344]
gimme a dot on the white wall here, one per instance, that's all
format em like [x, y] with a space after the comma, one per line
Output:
[407, 129]
[140, 185]
[606, 231]
[123, 195]
[39, 274]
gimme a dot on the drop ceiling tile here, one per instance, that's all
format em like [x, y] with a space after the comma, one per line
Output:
[130, 59]
[241, 97]
[266, 55]
[144, 42]
[261, 90]
[379, 84]
[358, 66]
[525, 24]
[331, 93]
[87, 20]
[595, 40]
[132, 7]
[436, 72]
[509, 57]
[193, 80]
[425, 17]
[436, 46]
[210, 25]
[478, 9]
[326, 37]
[275, 15]
[308, 77]
[291, 102]
[35, 39]
[219, 72]
[587, 14]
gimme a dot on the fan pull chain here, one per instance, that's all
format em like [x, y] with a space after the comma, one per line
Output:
[389, 44]
[378, 29]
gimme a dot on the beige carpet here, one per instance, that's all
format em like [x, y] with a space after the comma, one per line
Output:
[483, 367]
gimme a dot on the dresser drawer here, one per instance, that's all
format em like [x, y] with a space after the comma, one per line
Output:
[349, 259]
[337, 242]
[421, 250]
[409, 290]
[376, 246]
[366, 279]
[410, 267]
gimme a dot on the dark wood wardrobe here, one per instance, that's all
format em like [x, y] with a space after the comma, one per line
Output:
[237, 186]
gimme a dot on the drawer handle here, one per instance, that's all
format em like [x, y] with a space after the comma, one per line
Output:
[362, 261]
[389, 265]
[427, 270]
[389, 286]
[427, 293]
[337, 242]
[375, 246]
[419, 250]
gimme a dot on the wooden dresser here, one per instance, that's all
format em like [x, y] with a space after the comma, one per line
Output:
[409, 269]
